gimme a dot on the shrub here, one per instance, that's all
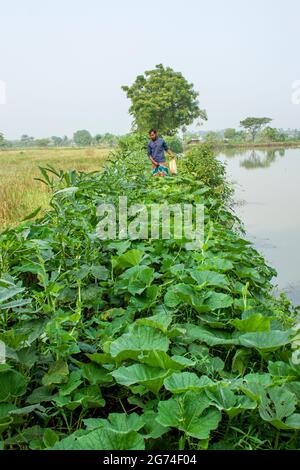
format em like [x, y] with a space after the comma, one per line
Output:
[201, 162]
[133, 142]
[175, 144]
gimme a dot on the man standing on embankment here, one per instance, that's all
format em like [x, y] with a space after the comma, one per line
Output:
[156, 152]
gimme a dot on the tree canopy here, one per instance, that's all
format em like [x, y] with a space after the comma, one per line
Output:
[254, 125]
[163, 99]
[56, 140]
[82, 138]
[27, 141]
[273, 135]
[229, 133]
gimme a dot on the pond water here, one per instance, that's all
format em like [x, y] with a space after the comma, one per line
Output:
[267, 197]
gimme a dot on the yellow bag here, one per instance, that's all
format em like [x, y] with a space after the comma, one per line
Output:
[173, 166]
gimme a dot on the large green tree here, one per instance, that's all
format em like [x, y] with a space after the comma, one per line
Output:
[163, 99]
[254, 125]
[82, 138]
[273, 135]
[27, 141]
[56, 140]
[65, 141]
[229, 133]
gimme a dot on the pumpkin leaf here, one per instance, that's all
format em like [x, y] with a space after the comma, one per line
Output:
[141, 338]
[277, 408]
[190, 413]
[184, 381]
[150, 377]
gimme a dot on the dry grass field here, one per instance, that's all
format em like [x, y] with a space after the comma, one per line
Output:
[20, 193]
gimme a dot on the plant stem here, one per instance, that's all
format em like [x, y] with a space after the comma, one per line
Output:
[277, 439]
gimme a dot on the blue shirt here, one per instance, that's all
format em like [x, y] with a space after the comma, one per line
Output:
[156, 149]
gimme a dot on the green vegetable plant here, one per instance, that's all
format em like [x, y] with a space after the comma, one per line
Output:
[142, 344]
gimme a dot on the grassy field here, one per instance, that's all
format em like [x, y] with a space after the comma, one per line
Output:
[20, 193]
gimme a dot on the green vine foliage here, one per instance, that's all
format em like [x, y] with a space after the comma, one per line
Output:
[142, 344]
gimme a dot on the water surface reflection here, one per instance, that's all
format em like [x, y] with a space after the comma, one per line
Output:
[267, 195]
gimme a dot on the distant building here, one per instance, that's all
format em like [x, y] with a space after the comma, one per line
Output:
[194, 141]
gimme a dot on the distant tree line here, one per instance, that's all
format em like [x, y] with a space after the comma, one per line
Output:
[81, 138]
[253, 130]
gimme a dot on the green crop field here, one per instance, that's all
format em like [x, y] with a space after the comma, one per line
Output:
[20, 194]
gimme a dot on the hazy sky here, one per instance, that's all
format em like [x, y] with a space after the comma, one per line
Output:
[64, 61]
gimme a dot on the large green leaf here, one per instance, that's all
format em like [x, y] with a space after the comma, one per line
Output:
[190, 413]
[225, 399]
[211, 278]
[162, 321]
[282, 369]
[102, 439]
[217, 300]
[152, 428]
[5, 409]
[164, 361]
[94, 423]
[266, 340]
[99, 272]
[89, 397]
[135, 280]
[117, 421]
[184, 381]
[145, 300]
[141, 338]
[50, 437]
[39, 395]
[95, 374]
[125, 422]
[57, 374]
[128, 259]
[249, 273]
[86, 397]
[211, 337]
[74, 381]
[294, 387]
[150, 377]
[293, 421]
[9, 292]
[277, 407]
[5, 417]
[187, 294]
[217, 264]
[240, 360]
[15, 304]
[254, 385]
[12, 385]
[171, 300]
[62, 401]
[27, 410]
[254, 322]
[100, 358]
